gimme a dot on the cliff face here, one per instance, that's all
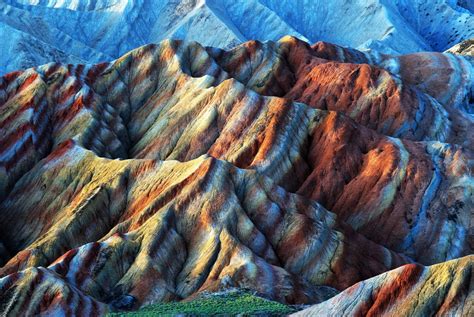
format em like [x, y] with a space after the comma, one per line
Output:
[278, 167]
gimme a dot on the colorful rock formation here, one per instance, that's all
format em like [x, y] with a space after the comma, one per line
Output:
[278, 167]
[444, 289]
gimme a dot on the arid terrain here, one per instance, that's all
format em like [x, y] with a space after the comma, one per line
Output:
[294, 171]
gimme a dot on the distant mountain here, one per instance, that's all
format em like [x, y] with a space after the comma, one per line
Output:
[38, 31]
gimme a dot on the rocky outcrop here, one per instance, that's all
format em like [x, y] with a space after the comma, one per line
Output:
[413, 290]
[424, 96]
[178, 169]
[39, 291]
[167, 230]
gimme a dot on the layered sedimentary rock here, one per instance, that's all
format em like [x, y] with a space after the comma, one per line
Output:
[413, 290]
[36, 32]
[169, 229]
[277, 167]
[424, 96]
[52, 296]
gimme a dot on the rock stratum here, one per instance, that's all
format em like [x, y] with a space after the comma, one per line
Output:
[412, 290]
[35, 32]
[291, 170]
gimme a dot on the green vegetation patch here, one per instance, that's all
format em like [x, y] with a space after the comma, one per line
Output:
[224, 304]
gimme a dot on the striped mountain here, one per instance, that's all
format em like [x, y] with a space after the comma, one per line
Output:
[444, 289]
[288, 169]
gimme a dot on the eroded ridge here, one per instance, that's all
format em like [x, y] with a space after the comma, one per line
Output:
[440, 290]
[177, 169]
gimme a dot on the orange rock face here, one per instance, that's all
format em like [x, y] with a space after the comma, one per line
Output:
[277, 167]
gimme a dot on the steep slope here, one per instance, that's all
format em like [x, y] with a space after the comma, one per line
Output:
[413, 290]
[424, 96]
[54, 297]
[118, 110]
[168, 229]
[23, 50]
[168, 172]
[103, 30]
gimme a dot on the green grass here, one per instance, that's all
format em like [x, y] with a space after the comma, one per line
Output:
[228, 304]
